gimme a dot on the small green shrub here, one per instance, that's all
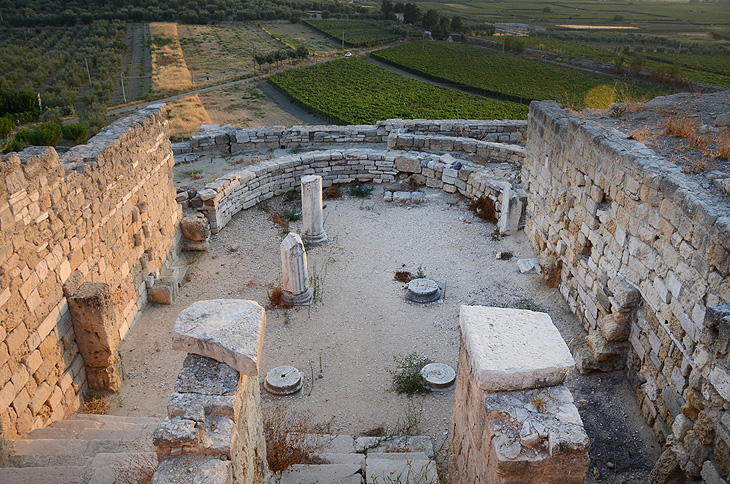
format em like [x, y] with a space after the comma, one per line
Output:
[292, 213]
[530, 305]
[420, 273]
[13, 145]
[407, 374]
[47, 134]
[359, 190]
[6, 127]
[76, 132]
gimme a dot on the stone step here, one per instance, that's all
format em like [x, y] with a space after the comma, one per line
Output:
[45, 475]
[330, 443]
[393, 467]
[322, 474]
[417, 443]
[77, 447]
[132, 432]
[79, 424]
[332, 458]
[111, 419]
[123, 467]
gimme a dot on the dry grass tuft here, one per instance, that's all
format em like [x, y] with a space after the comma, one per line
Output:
[276, 299]
[681, 127]
[135, 467]
[287, 441]
[723, 144]
[333, 192]
[279, 220]
[95, 404]
[483, 207]
[403, 276]
[641, 135]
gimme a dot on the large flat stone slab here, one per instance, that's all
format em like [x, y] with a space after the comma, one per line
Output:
[227, 330]
[514, 349]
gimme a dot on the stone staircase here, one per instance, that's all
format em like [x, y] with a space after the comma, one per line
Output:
[341, 459]
[85, 449]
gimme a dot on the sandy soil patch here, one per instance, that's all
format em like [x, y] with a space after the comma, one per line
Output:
[245, 105]
[346, 343]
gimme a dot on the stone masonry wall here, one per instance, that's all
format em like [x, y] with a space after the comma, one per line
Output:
[230, 140]
[480, 151]
[102, 212]
[228, 195]
[641, 252]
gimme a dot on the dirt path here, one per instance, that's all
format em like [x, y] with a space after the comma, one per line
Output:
[350, 339]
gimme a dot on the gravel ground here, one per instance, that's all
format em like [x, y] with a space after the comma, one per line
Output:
[349, 340]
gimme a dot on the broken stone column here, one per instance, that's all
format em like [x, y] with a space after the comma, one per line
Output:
[313, 229]
[511, 214]
[294, 268]
[214, 430]
[196, 232]
[96, 323]
[514, 421]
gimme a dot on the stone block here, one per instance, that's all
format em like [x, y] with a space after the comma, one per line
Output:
[96, 323]
[514, 349]
[613, 330]
[407, 164]
[195, 227]
[230, 331]
[193, 469]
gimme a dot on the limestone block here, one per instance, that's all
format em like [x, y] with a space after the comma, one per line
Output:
[601, 350]
[164, 291]
[625, 293]
[227, 330]
[407, 164]
[176, 432]
[195, 227]
[613, 330]
[514, 349]
[193, 469]
[96, 323]
[536, 436]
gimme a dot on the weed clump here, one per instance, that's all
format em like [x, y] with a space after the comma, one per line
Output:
[483, 207]
[279, 220]
[287, 441]
[407, 374]
[95, 404]
[530, 305]
[403, 276]
[359, 190]
[292, 213]
[276, 299]
[332, 192]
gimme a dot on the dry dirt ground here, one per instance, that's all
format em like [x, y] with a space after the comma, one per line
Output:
[349, 340]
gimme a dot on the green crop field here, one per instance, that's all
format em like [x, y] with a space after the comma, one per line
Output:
[589, 11]
[353, 91]
[507, 76]
[356, 34]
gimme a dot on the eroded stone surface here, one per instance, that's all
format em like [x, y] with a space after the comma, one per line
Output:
[228, 330]
[283, 380]
[206, 376]
[423, 291]
[514, 349]
[439, 376]
[193, 469]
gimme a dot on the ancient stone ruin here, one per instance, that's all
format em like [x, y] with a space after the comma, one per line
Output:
[638, 249]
